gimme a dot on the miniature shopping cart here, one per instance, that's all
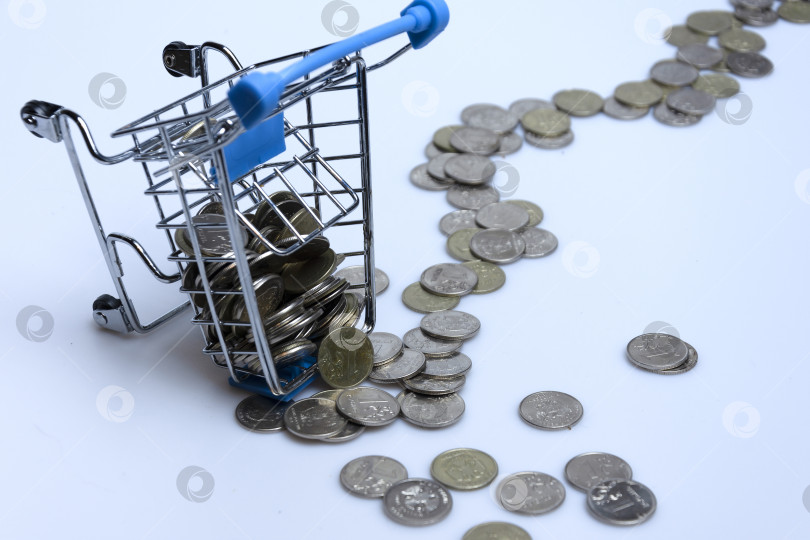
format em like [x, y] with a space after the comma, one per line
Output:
[236, 143]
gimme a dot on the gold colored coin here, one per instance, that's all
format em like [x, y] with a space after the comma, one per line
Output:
[302, 276]
[638, 94]
[535, 212]
[578, 102]
[441, 139]
[418, 299]
[490, 276]
[546, 122]
[717, 84]
[710, 23]
[681, 35]
[345, 358]
[458, 244]
[464, 469]
[796, 12]
[496, 529]
[738, 40]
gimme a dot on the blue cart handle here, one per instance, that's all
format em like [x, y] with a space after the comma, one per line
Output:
[257, 95]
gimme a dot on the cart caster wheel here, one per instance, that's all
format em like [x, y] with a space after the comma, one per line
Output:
[108, 312]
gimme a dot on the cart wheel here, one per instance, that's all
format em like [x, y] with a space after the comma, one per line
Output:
[180, 59]
[108, 312]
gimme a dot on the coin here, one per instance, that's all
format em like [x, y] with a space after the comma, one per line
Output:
[710, 23]
[418, 299]
[753, 4]
[550, 143]
[756, 17]
[578, 102]
[449, 367]
[301, 276]
[546, 122]
[551, 410]
[431, 411]
[620, 111]
[497, 246]
[435, 169]
[349, 433]
[332, 394]
[449, 279]
[673, 73]
[535, 212]
[386, 347]
[421, 179]
[292, 351]
[408, 364]
[699, 55]
[621, 502]
[717, 84]
[471, 197]
[739, 40]
[490, 276]
[522, 106]
[666, 115]
[691, 102]
[431, 150]
[691, 362]
[368, 406]
[464, 469]
[539, 242]
[510, 143]
[345, 358]
[657, 351]
[458, 245]
[450, 325]
[457, 220]
[749, 64]
[356, 275]
[502, 215]
[432, 386]
[489, 117]
[799, 13]
[314, 418]
[431, 347]
[532, 493]
[680, 35]
[592, 468]
[442, 138]
[496, 530]
[469, 169]
[475, 140]
[638, 94]
[371, 476]
[258, 413]
[417, 502]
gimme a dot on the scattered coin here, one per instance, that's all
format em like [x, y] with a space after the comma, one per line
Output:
[502, 215]
[799, 13]
[371, 476]
[355, 275]
[657, 351]
[756, 17]
[749, 64]
[710, 23]
[539, 242]
[349, 433]
[457, 220]
[691, 102]
[431, 347]
[314, 418]
[546, 122]
[441, 139]
[431, 150]
[435, 169]
[417, 502]
[666, 115]
[620, 111]
[475, 140]
[497, 246]
[510, 143]
[587, 470]
[421, 179]
[449, 279]
[532, 493]
[458, 245]
[496, 530]
[522, 106]
[621, 502]
[471, 197]
[386, 347]
[681, 35]
[490, 276]
[345, 358]
[432, 386]
[368, 406]
[258, 413]
[577, 102]
[431, 411]
[739, 40]
[691, 362]
[418, 299]
[673, 73]
[449, 367]
[717, 84]
[490, 117]
[464, 469]
[469, 169]
[535, 212]
[408, 364]
[550, 143]
[699, 55]
[450, 325]
[638, 94]
[551, 410]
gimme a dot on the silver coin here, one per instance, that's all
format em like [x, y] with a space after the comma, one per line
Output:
[457, 220]
[356, 275]
[510, 143]
[539, 242]
[386, 347]
[621, 502]
[475, 140]
[522, 106]
[502, 215]
[496, 530]
[470, 169]
[690, 101]
[431, 386]
[753, 4]
[372, 476]
[550, 143]
[551, 410]
[749, 64]
[449, 367]
[213, 235]
[450, 325]
[431, 411]
[497, 246]
[620, 111]
[657, 351]
[435, 169]
[421, 179]
[532, 493]
[431, 151]
[349, 433]
[490, 117]
[408, 364]
[673, 73]
[699, 55]
[592, 468]
[691, 362]
[449, 279]
[368, 406]
[756, 17]
[261, 414]
[471, 197]
[417, 502]
[431, 347]
[667, 116]
[314, 418]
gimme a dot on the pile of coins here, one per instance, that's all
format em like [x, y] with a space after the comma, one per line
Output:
[612, 495]
[663, 354]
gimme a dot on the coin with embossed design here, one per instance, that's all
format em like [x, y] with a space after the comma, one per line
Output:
[345, 357]
[530, 493]
[314, 418]
[417, 502]
[591, 468]
[368, 406]
[464, 469]
[371, 476]
[551, 410]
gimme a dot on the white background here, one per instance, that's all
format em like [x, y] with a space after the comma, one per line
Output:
[704, 228]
